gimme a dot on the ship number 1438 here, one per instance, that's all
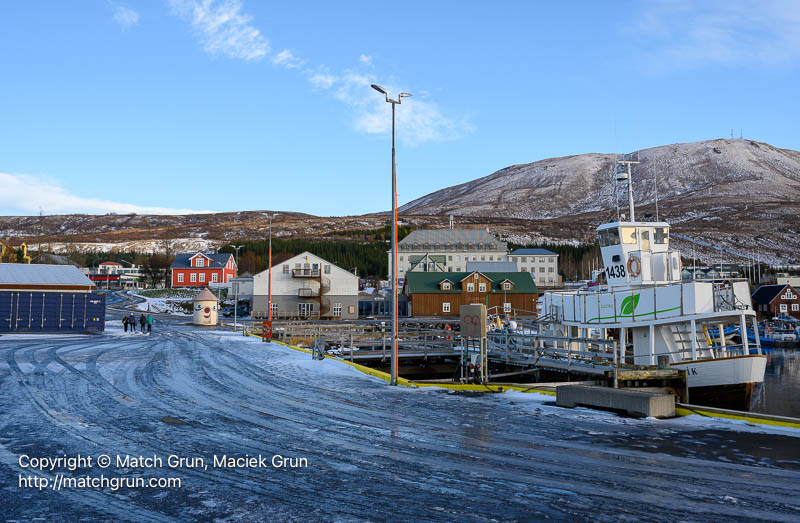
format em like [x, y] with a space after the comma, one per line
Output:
[615, 271]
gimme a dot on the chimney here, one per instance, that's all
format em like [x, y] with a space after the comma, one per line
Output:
[451, 222]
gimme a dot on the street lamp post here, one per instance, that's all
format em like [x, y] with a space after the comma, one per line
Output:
[269, 268]
[394, 231]
[236, 294]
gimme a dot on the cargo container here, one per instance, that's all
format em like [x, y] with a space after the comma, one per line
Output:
[56, 312]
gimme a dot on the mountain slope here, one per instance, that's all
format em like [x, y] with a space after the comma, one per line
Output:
[690, 177]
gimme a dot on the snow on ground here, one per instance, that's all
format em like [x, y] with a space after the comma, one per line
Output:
[372, 449]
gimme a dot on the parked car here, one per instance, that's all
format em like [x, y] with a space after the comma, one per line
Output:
[243, 310]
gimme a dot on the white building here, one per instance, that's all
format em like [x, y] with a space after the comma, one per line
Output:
[306, 286]
[541, 263]
[446, 250]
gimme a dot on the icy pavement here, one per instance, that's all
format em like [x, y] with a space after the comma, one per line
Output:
[374, 452]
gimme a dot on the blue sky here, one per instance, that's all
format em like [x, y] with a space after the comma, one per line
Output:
[193, 105]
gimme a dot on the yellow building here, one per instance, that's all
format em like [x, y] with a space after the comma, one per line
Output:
[14, 251]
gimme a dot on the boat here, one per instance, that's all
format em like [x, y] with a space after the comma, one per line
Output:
[660, 319]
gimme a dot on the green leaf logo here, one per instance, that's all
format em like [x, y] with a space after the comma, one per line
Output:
[629, 305]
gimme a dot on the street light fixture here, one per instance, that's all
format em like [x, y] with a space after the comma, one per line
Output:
[394, 231]
[236, 294]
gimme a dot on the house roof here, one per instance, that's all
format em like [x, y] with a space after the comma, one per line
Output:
[218, 261]
[766, 293]
[537, 252]
[23, 273]
[13, 242]
[442, 237]
[481, 266]
[428, 282]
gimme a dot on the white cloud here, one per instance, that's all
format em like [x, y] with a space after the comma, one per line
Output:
[31, 194]
[125, 16]
[222, 28]
[730, 32]
[287, 60]
[418, 120]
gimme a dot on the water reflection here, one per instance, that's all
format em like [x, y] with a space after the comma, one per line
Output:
[781, 392]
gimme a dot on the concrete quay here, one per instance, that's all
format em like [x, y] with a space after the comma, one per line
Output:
[635, 403]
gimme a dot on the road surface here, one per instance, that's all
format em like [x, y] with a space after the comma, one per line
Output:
[373, 452]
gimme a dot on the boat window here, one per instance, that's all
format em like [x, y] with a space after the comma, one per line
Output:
[661, 235]
[645, 239]
[608, 237]
[628, 234]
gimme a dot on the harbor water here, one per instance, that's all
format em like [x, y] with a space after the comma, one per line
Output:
[781, 393]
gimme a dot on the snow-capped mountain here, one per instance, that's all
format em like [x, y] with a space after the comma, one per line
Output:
[697, 178]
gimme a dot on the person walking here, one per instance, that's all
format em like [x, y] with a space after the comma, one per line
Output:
[149, 324]
[132, 323]
[125, 322]
[142, 322]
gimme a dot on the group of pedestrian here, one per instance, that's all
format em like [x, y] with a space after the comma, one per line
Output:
[145, 323]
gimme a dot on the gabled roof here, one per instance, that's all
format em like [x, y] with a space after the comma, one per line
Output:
[218, 261]
[23, 273]
[766, 293]
[428, 282]
[537, 252]
[470, 273]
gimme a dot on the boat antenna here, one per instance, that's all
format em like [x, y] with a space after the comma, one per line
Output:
[629, 176]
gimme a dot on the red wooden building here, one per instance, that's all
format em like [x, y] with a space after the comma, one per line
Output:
[199, 269]
[770, 301]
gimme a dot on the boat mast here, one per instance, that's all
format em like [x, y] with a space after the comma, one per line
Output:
[629, 177]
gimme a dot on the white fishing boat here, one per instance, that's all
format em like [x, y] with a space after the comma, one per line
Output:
[662, 320]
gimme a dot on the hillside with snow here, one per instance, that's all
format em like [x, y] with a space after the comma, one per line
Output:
[695, 177]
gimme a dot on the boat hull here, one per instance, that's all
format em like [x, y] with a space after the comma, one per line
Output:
[741, 396]
[728, 383]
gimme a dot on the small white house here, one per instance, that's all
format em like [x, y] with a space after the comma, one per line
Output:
[306, 286]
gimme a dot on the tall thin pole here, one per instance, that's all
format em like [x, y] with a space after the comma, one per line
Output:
[394, 259]
[269, 280]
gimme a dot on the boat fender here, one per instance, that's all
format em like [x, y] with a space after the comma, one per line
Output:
[634, 267]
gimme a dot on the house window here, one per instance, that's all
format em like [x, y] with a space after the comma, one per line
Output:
[180, 277]
[482, 287]
[541, 269]
[199, 262]
[446, 286]
[450, 258]
[400, 258]
[523, 269]
[458, 269]
[783, 307]
[337, 310]
[506, 308]
[795, 307]
[214, 277]
[549, 269]
[193, 277]
[286, 268]
[524, 259]
[202, 277]
[483, 258]
[475, 276]
[506, 286]
[491, 258]
[274, 307]
[328, 268]
[542, 260]
[446, 306]
[470, 287]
